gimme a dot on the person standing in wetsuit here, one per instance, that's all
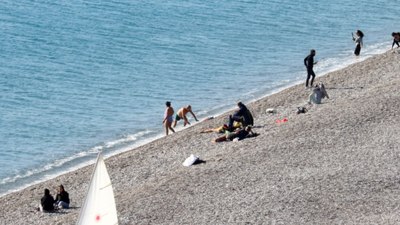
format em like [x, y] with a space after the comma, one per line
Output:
[309, 63]
[396, 39]
[359, 42]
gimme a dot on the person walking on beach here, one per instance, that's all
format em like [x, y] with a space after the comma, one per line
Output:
[62, 198]
[46, 202]
[396, 39]
[168, 118]
[358, 39]
[182, 115]
[309, 63]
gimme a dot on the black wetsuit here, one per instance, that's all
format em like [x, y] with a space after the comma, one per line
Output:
[358, 41]
[309, 63]
[395, 42]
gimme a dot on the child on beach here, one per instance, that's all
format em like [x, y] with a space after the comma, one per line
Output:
[168, 117]
[358, 39]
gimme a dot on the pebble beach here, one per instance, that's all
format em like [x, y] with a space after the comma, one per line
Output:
[335, 164]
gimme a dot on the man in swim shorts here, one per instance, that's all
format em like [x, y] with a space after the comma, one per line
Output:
[181, 114]
[168, 118]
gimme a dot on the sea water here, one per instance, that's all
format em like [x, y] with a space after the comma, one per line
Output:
[78, 77]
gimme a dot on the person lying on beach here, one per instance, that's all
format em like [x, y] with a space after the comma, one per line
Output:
[46, 202]
[318, 94]
[220, 129]
[181, 114]
[243, 115]
[62, 198]
[239, 134]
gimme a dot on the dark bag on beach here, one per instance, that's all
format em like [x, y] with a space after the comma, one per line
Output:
[301, 110]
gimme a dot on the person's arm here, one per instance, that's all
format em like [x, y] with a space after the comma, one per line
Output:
[194, 116]
[305, 61]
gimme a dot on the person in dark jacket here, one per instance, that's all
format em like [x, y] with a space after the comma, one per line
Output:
[358, 39]
[243, 115]
[47, 201]
[396, 39]
[309, 63]
[62, 198]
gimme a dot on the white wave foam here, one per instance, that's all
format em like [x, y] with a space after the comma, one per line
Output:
[59, 167]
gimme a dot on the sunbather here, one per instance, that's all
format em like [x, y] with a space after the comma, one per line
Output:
[239, 134]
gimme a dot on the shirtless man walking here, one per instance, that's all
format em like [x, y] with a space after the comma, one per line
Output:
[168, 118]
[182, 115]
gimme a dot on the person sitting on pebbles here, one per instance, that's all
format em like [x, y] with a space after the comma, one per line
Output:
[46, 202]
[242, 115]
[62, 198]
[318, 94]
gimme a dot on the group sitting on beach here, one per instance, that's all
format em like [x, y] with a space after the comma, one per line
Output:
[238, 127]
[49, 204]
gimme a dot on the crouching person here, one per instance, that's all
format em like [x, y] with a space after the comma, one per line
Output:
[318, 94]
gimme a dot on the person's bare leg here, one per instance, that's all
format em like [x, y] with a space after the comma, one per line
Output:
[171, 128]
[220, 139]
[166, 127]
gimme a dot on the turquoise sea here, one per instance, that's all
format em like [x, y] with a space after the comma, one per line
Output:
[82, 76]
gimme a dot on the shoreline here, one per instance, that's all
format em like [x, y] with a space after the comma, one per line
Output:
[47, 175]
[146, 174]
[91, 155]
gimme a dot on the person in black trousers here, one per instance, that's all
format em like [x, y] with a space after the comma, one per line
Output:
[309, 63]
[358, 39]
